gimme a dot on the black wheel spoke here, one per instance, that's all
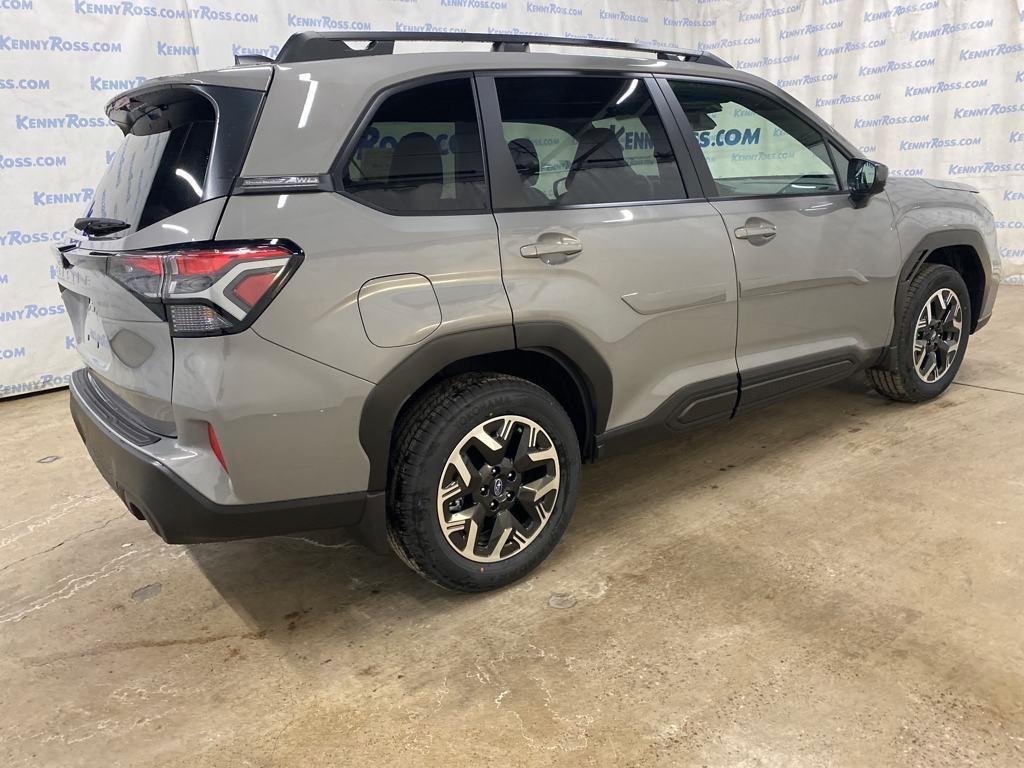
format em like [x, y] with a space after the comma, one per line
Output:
[498, 488]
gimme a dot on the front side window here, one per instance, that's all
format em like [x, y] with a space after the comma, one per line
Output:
[421, 152]
[753, 145]
[583, 140]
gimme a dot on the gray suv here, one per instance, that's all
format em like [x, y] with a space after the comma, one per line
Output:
[413, 294]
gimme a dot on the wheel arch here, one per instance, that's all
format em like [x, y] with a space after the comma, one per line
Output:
[960, 249]
[552, 355]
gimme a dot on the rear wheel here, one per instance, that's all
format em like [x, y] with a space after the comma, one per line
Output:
[932, 332]
[483, 481]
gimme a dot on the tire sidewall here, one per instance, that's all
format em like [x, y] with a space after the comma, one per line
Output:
[942, 277]
[509, 398]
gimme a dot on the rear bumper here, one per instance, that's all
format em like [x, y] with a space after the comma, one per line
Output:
[181, 515]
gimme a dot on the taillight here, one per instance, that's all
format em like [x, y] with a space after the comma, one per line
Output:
[207, 289]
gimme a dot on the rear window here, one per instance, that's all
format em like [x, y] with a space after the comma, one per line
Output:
[156, 173]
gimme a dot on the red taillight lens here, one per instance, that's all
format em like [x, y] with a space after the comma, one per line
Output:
[251, 288]
[207, 289]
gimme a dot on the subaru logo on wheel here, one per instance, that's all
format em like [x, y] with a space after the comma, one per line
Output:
[499, 486]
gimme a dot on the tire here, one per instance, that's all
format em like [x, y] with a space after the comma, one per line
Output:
[903, 380]
[479, 419]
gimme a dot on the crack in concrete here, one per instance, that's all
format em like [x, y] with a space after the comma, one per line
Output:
[62, 542]
[41, 661]
[990, 389]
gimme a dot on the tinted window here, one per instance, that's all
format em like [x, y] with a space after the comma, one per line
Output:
[753, 145]
[576, 140]
[421, 152]
[155, 175]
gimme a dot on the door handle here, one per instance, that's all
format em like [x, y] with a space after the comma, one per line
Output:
[552, 248]
[756, 229]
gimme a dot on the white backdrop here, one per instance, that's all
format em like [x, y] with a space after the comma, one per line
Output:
[930, 87]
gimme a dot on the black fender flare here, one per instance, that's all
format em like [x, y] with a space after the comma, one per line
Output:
[942, 239]
[565, 345]
[916, 258]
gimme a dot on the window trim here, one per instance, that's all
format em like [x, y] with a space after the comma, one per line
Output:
[351, 144]
[505, 182]
[708, 183]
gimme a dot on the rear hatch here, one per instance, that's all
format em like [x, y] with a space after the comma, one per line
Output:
[185, 140]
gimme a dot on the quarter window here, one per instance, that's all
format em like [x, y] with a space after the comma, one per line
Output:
[753, 145]
[584, 140]
[421, 152]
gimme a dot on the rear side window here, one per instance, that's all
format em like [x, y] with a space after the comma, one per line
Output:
[159, 169]
[181, 173]
[421, 153]
[579, 140]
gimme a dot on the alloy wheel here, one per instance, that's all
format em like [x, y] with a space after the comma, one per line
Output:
[498, 489]
[937, 335]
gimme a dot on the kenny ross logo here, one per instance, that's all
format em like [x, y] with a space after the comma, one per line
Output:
[166, 49]
[17, 237]
[57, 44]
[893, 66]
[553, 9]
[70, 120]
[46, 381]
[85, 195]
[937, 143]
[97, 83]
[900, 10]
[950, 29]
[31, 312]
[1002, 49]
[138, 10]
[270, 51]
[1017, 137]
[942, 87]
[39, 161]
[850, 46]
[961, 113]
[326, 22]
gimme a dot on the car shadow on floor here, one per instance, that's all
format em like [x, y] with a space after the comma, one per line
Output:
[296, 584]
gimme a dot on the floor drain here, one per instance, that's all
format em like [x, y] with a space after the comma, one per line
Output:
[561, 600]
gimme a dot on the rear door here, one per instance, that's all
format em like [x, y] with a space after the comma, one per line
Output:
[599, 235]
[816, 271]
[167, 183]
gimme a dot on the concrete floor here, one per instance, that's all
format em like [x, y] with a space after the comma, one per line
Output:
[834, 581]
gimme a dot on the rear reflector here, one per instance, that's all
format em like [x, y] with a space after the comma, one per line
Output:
[208, 289]
[215, 445]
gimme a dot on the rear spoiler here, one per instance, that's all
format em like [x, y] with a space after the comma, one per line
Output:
[155, 96]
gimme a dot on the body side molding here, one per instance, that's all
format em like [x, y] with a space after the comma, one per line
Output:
[694, 405]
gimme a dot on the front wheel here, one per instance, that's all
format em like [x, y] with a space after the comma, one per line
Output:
[483, 481]
[932, 332]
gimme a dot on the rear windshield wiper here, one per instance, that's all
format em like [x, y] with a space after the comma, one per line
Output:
[93, 225]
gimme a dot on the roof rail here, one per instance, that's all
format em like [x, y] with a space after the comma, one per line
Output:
[316, 46]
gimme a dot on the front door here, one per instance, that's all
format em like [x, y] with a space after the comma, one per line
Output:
[598, 236]
[817, 272]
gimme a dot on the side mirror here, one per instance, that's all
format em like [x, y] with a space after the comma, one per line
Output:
[866, 178]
